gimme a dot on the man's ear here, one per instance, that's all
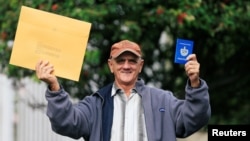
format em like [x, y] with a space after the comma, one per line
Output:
[110, 66]
[141, 65]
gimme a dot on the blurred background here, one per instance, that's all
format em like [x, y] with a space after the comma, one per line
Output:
[219, 28]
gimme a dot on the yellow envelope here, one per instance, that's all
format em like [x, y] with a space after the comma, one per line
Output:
[42, 35]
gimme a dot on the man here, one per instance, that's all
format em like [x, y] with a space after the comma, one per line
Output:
[127, 109]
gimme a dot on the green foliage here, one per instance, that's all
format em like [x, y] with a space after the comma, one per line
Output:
[219, 28]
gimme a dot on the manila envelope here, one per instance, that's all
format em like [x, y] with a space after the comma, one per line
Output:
[60, 40]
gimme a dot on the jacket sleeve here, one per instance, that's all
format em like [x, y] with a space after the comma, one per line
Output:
[192, 113]
[67, 119]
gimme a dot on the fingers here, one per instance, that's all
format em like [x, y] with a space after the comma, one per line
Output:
[192, 67]
[44, 69]
[192, 57]
[44, 72]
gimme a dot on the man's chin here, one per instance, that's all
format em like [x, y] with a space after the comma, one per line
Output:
[127, 81]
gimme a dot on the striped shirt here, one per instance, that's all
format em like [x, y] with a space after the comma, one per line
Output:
[128, 119]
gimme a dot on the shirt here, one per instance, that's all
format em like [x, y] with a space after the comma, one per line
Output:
[128, 120]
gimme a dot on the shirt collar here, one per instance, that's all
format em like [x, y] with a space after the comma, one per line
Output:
[116, 90]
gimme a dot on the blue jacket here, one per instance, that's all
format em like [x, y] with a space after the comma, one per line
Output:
[166, 116]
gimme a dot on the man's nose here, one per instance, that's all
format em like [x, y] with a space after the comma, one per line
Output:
[126, 64]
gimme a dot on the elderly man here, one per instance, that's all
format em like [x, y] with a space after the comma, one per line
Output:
[127, 109]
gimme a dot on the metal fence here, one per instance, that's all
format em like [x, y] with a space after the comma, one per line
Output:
[23, 112]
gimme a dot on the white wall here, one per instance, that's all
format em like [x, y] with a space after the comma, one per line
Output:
[6, 109]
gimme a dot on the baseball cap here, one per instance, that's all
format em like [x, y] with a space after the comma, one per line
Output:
[123, 46]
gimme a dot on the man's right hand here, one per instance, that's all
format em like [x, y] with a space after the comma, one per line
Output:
[44, 72]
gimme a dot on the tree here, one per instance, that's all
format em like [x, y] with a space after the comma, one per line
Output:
[219, 29]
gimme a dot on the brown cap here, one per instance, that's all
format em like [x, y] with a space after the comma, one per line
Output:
[123, 46]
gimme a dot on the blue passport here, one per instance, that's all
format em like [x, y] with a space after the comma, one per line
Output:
[183, 49]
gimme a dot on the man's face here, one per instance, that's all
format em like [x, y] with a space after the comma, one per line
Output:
[126, 68]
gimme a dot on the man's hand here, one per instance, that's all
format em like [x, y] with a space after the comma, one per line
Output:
[44, 72]
[192, 68]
